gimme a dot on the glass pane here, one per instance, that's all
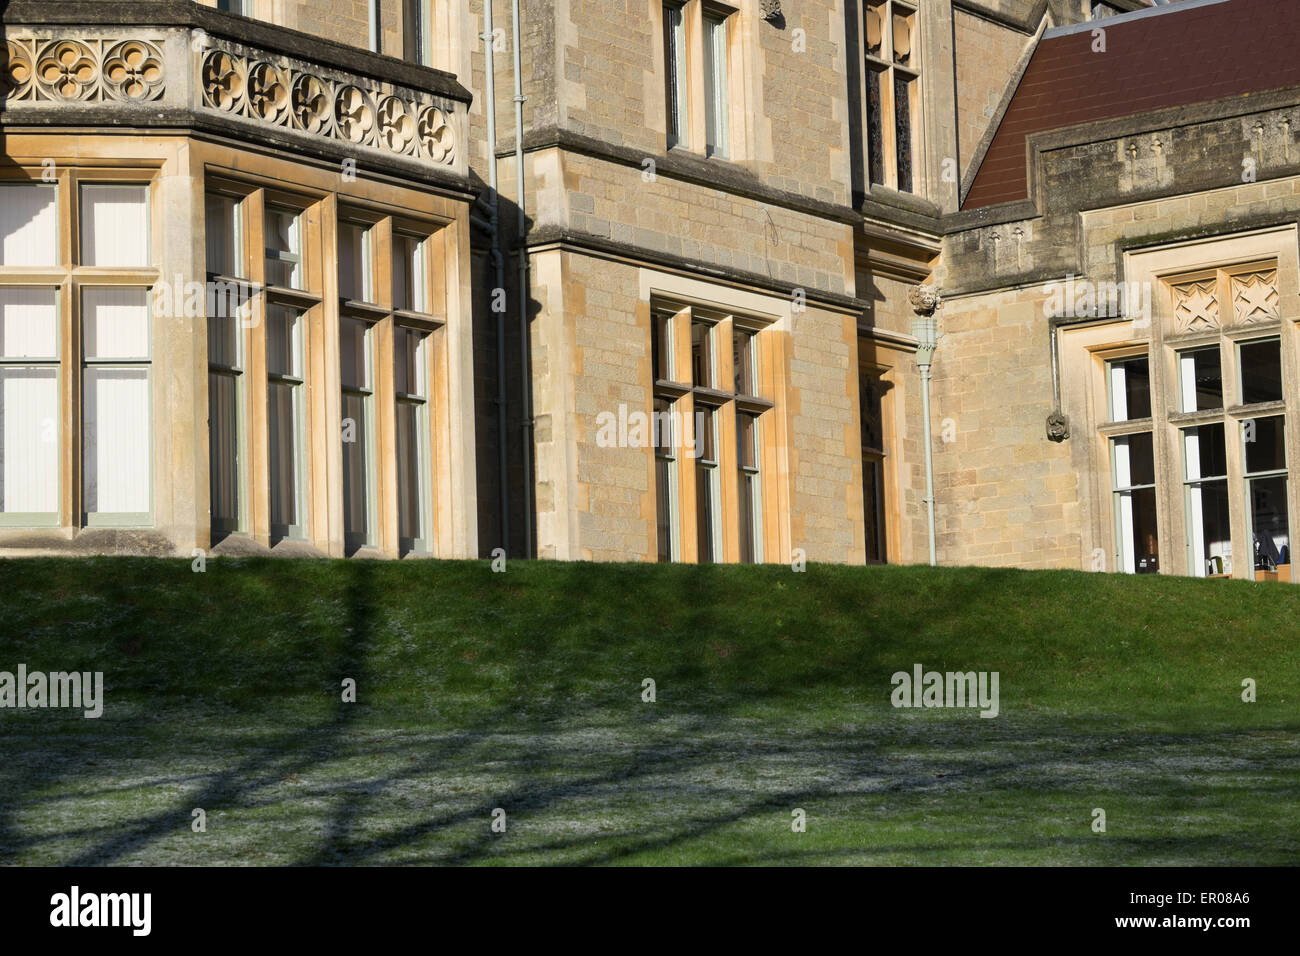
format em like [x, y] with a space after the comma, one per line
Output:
[873, 510]
[29, 225]
[354, 262]
[743, 362]
[115, 323]
[665, 428]
[223, 450]
[223, 341]
[29, 323]
[29, 440]
[705, 443]
[705, 522]
[870, 396]
[283, 248]
[875, 129]
[224, 239]
[282, 432]
[1271, 540]
[746, 440]
[747, 485]
[1130, 389]
[661, 346]
[354, 343]
[408, 362]
[874, 25]
[675, 75]
[283, 342]
[114, 225]
[1208, 528]
[1201, 375]
[410, 471]
[1265, 440]
[903, 130]
[1261, 372]
[902, 39]
[116, 445]
[1205, 452]
[665, 476]
[702, 354]
[1137, 534]
[1134, 461]
[355, 468]
[410, 279]
[715, 86]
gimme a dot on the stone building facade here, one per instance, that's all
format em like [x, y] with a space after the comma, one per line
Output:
[680, 327]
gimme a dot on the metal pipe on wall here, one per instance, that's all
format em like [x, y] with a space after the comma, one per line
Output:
[525, 380]
[498, 263]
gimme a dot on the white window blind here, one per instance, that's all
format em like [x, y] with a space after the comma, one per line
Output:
[224, 228]
[29, 225]
[29, 401]
[115, 417]
[114, 225]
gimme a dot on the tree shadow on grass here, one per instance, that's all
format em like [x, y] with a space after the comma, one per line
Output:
[567, 723]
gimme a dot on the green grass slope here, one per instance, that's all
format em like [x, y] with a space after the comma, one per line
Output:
[523, 691]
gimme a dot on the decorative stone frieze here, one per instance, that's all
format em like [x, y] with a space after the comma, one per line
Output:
[188, 69]
[297, 98]
[67, 69]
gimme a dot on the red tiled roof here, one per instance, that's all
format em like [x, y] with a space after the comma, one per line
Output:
[1181, 56]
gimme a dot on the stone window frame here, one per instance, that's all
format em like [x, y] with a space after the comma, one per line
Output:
[877, 458]
[68, 277]
[694, 96]
[890, 70]
[1217, 259]
[682, 397]
[319, 304]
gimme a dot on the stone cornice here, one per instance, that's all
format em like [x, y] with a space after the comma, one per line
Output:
[685, 167]
[555, 236]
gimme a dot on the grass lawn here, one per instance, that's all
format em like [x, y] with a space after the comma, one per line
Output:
[523, 691]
